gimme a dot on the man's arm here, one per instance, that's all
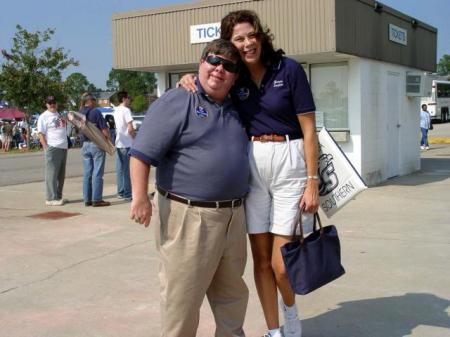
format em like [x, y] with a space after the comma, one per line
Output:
[131, 130]
[43, 140]
[141, 208]
[106, 134]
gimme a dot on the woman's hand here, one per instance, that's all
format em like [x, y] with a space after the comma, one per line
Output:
[188, 82]
[309, 202]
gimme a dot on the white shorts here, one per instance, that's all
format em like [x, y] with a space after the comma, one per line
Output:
[277, 182]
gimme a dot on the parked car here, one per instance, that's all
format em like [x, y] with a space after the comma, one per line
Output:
[137, 121]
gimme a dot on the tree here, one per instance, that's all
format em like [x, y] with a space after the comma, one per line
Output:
[74, 86]
[32, 70]
[138, 84]
[443, 67]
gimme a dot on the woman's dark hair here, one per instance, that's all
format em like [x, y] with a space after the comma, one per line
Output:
[268, 53]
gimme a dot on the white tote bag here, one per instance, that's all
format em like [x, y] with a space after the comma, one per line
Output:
[339, 181]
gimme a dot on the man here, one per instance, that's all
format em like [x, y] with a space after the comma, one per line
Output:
[93, 156]
[52, 132]
[124, 138]
[425, 125]
[199, 147]
[7, 132]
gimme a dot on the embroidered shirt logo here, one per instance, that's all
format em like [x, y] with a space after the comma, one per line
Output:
[201, 112]
[277, 84]
[243, 93]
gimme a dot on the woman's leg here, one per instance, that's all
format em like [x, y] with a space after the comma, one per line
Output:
[264, 277]
[279, 270]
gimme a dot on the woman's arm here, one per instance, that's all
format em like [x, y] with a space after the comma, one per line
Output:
[188, 82]
[310, 199]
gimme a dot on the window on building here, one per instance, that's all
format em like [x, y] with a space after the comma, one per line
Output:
[175, 77]
[329, 85]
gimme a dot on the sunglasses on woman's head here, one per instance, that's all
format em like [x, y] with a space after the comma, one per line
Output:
[227, 65]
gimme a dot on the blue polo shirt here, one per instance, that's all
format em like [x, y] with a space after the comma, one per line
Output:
[94, 116]
[273, 108]
[198, 146]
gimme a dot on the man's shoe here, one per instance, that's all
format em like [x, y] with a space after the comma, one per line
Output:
[101, 203]
[88, 203]
[427, 147]
[422, 147]
[119, 196]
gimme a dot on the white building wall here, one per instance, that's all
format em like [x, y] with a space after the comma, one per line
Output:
[378, 119]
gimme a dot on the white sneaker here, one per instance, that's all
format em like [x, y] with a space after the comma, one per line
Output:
[292, 325]
[292, 328]
[427, 147]
[422, 147]
[277, 334]
[59, 202]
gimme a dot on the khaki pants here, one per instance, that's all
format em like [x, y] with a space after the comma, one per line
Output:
[202, 251]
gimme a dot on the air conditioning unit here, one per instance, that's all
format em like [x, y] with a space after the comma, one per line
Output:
[415, 84]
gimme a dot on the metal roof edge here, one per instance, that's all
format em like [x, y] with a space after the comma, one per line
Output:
[177, 8]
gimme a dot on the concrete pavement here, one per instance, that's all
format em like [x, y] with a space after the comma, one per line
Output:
[94, 274]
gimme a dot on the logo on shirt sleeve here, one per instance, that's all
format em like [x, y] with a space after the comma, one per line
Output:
[243, 93]
[201, 112]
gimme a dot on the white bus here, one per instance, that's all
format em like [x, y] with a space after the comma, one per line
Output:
[439, 101]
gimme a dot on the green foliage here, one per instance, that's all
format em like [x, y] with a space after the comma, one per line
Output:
[443, 67]
[139, 103]
[32, 70]
[138, 84]
[74, 86]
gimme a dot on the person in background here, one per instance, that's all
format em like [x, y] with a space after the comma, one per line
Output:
[112, 127]
[124, 139]
[274, 100]
[93, 156]
[425, 125]
[51, 127]
[7, 132]
[199, 213]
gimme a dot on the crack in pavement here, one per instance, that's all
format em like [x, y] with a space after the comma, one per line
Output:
[59, 270]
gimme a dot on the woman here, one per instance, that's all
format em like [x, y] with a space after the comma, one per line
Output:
[275, 102]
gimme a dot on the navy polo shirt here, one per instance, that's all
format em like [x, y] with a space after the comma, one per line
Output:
[273, 108]
[94, 116]
[198, 146]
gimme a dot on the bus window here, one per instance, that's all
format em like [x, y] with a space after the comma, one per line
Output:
[443, 90]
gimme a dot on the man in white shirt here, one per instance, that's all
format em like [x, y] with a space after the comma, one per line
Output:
[52, 133]
[125, 134]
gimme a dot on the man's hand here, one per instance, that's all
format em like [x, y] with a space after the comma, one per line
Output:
[141, 211]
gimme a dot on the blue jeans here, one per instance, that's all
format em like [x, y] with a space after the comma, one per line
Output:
[424, 140]
[93, 167]
[123, 172]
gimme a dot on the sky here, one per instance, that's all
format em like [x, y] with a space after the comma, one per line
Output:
[83, 27]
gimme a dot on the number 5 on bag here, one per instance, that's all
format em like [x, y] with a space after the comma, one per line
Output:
[339, 181]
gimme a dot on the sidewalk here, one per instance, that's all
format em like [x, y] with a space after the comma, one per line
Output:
[95, 273]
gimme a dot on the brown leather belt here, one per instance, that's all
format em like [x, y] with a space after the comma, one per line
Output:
[206, 204]
[269, 138]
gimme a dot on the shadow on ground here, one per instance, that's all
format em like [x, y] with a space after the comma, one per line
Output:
[432, 170]
[393, 316]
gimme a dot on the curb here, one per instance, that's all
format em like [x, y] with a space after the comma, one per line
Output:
[439, 140]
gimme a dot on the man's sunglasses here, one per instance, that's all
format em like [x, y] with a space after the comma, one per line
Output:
[227, 65]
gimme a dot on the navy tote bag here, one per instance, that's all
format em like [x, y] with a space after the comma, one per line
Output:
[313, 261]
